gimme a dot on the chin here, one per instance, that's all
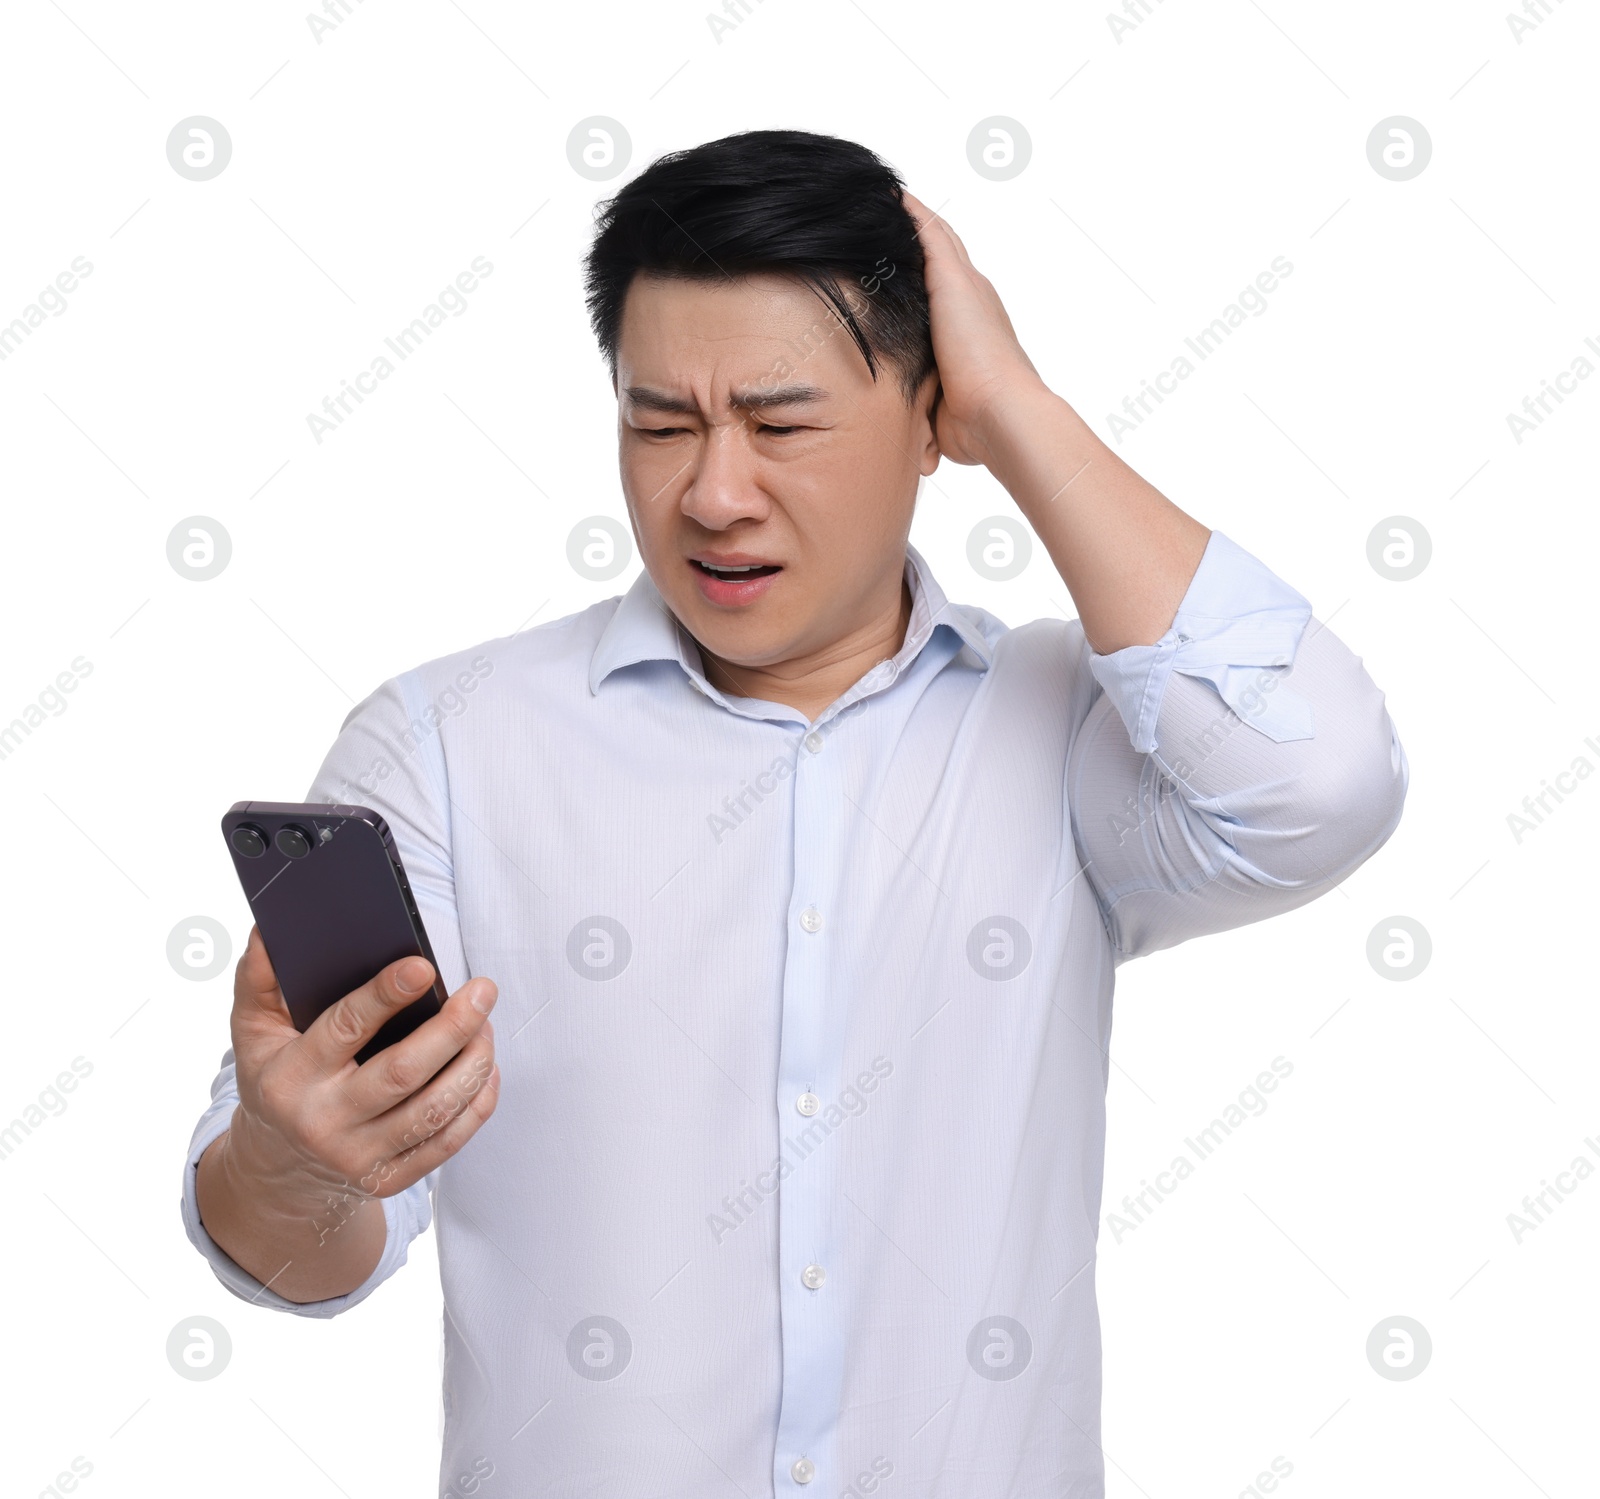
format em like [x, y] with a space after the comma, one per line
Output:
[748, 647]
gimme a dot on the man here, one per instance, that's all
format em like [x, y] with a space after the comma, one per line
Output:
[803, 889]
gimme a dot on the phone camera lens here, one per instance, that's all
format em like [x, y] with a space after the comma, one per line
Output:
[293, 842]
[249, 840]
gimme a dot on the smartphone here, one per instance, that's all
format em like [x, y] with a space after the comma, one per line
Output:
[327, 888]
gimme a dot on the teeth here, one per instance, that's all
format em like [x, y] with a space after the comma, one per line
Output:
[749, 569]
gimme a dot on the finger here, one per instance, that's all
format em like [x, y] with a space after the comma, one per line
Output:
[414, 1164]
[401, 1070]
[341, 1030]
[958, 246]
[928, 224]
[428, 1111]
[935, 229]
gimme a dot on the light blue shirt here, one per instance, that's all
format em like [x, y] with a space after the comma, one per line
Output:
[794, 1181]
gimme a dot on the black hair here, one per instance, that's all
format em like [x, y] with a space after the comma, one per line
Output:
[792, 202]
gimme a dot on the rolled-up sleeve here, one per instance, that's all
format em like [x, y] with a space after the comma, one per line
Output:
[1239, 767]
[387, 757]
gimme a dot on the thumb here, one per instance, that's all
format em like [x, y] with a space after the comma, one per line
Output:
[259, 1009]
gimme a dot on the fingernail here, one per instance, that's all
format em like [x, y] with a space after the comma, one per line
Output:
[412, 975]
[482, 998]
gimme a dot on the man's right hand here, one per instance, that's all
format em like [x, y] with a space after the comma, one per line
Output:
[291, 1191]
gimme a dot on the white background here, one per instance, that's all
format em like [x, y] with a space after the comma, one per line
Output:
[1167, 170]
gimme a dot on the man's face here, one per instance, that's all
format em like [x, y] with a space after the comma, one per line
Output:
[779, 452]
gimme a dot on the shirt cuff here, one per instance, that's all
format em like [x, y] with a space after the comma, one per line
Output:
[405, 1215]
[1238, 628]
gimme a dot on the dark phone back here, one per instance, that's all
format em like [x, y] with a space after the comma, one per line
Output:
[336, 915]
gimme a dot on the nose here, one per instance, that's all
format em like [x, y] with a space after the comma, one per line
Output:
[723, 488]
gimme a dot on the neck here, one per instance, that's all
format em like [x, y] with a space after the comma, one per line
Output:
[808, 683]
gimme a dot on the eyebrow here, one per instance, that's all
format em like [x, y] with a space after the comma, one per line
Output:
[749, 397]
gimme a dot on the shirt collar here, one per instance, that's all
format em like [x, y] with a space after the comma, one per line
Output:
[643, 628]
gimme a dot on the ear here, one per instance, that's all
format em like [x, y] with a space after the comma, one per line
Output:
[925, 424]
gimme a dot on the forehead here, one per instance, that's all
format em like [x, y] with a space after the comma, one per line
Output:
[749, 330]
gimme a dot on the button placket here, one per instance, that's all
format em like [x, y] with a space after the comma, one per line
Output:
[807, 1072]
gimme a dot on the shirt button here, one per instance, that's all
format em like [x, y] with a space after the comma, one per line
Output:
[803, 1471]
[808, 1104]
[814, 742]
[811, 919]
[812, 1277]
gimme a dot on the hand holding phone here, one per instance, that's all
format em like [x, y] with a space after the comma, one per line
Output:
[319, 1120]
[290, 1191]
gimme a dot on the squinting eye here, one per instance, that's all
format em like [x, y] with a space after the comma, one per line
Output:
[664, 432]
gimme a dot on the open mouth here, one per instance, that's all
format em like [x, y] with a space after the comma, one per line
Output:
[737, 574]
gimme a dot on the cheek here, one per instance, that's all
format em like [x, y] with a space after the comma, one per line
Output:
[653, 533]
[648, 483]
[866, 485]
[854, 463]
[889, 444]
